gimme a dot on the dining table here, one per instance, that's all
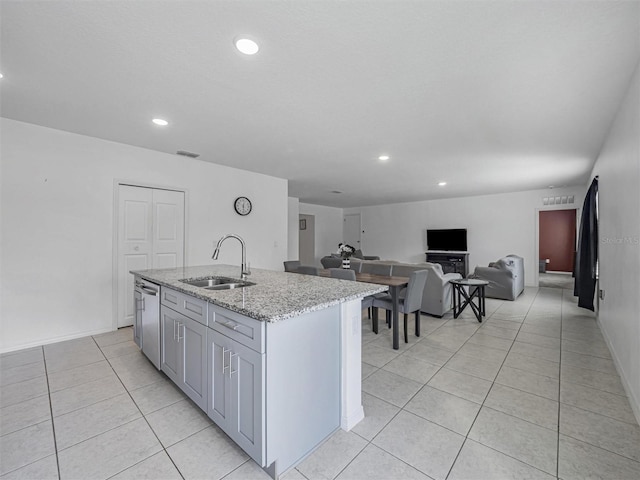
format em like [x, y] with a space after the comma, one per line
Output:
[395, 284]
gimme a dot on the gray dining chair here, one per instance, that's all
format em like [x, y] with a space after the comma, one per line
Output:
[291, 265]
[348, 274]
[343, 273]
[331, 262]
[376, 268]
[308, 270]
[409, 303]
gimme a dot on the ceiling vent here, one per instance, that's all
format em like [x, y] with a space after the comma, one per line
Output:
[184, 153]
[563, 200]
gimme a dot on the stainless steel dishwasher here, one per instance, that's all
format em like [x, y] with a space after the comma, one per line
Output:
[147, 324]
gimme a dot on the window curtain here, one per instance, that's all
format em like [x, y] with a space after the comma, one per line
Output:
[587, 257]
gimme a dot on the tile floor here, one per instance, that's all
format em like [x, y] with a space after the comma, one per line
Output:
[531, 392]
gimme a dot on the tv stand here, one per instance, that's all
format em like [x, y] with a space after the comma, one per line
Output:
[452, 262]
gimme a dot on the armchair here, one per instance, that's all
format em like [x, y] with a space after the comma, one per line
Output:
[505, 277]
[437, 298]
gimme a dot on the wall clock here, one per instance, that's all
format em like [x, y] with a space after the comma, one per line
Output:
[242, 206]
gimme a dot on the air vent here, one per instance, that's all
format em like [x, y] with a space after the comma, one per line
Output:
[563, 200]
[184, 153]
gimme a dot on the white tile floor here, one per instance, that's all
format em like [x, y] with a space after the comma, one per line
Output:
[531, 392]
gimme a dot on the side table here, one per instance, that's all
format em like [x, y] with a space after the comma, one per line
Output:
[461, 299]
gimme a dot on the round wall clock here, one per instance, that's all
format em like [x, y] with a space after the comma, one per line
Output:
[242, 206]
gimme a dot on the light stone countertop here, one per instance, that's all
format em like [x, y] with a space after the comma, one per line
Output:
[275, 295]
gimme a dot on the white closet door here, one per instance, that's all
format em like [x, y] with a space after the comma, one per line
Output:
[168, 229]
[135, 244]
[150, 235]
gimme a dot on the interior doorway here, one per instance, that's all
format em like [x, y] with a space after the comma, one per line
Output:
[556, 247]
[150, 234]
[307, 239]
[351, 230]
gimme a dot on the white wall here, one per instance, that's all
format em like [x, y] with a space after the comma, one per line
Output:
[328, 226]
[57, 218]
[497, 225]
[618, 168]
[307, 240]
[292, 227]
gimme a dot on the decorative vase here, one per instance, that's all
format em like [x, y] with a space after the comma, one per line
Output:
[346, 263]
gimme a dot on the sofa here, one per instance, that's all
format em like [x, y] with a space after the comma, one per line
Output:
[436, 299]
[505, 277]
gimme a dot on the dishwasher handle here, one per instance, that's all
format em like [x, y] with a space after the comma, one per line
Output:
[149, 291]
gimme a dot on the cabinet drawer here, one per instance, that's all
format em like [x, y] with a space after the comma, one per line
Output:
[244, 330]
[189, 306]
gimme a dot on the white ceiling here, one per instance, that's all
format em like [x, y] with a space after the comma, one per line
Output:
[490, 96]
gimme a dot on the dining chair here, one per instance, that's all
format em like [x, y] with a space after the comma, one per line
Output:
[343, 273]
[308, 270]
[291, 265]
[409, 303]
[375, 269]
[331, 262]
[348, 274]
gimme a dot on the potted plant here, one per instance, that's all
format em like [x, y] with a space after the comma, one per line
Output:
[345, 252]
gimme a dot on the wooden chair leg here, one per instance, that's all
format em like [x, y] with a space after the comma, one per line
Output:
[417, 323]
[406, 335]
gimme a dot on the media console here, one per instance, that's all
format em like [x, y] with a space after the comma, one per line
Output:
[452, 262]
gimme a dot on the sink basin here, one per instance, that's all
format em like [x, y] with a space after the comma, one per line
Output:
[217, 283]
[226, 286]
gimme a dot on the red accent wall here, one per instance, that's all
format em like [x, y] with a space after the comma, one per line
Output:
[558, 239]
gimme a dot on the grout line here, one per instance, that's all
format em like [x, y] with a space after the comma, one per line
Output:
[53, 425]
[559, 388]
[489, 392]
[142, 415]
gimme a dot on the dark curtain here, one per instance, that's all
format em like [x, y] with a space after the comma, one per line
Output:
[587, 256]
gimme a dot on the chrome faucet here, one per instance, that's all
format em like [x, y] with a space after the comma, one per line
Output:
[244, 271]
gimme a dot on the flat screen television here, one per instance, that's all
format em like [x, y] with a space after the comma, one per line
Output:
[454, 239]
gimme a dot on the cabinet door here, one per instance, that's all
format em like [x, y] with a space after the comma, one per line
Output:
[137, 323]
[219, 402]
[192, 337]
[169, 355]
[247, 400]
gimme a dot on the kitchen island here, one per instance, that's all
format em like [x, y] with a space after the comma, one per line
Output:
[276, 365]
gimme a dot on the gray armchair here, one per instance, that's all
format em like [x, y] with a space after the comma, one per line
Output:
[437, 297]
[505, 277]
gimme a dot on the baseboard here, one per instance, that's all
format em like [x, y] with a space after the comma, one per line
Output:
[633, 400]
[49, 341]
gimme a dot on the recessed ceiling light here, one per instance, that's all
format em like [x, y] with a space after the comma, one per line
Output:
[384, 158]
[1, 75]
[247, 46]
[442, 184]
[160, 121]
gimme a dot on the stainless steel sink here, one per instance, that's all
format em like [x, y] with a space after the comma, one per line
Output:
[226, 286]
[217, 283]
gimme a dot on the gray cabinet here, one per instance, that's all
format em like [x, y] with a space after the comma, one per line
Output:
[184, 349]
[236, 394]
[137, 322]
